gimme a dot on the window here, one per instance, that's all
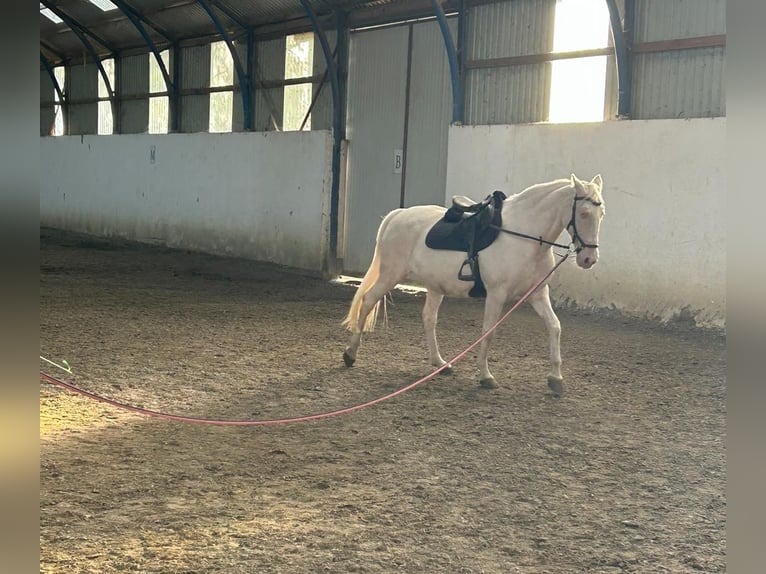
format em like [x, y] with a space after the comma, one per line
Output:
[299, 63]
[221, 75]
[50, 14]
[105, 119]
[159, 106]
[58, 111]
[578, 85]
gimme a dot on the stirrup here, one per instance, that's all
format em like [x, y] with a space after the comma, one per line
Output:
[467, 276]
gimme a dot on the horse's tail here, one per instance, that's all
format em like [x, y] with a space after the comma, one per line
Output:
[351, 321]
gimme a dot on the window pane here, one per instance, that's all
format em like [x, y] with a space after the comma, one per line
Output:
[105, 119]
[156, 79]
[159, 113]
[221, 105]
[221, 65]
[58, 121]
[578, 85]
[299, 63]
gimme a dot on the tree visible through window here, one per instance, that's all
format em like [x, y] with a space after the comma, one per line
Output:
[299, 60]
[105, 118]
[58, 110]
[221, 75]
[159, 106]
[578, 85]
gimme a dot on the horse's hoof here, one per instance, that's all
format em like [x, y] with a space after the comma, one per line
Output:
[446, 370]
[488, 383]
[348, 359]
[556, 385]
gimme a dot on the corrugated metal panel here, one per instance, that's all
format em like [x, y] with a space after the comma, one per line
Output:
[682, 83]
[376, 96]
[430, 115]
[134, 116]
[195, 73]
[237, 112]
[134, 75]
[321, 115]
[195, 67]
[514, 94]
[513, 28]
[82, 82]
[679, 84]
[672, 19]
[269, 65]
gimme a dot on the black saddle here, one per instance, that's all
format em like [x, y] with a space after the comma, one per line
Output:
[470, 227]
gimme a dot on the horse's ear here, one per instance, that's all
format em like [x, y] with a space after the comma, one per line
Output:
[598, 181]
[576, 183]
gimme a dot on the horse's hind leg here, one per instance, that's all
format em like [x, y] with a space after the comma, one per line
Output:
[541, 303]
[430, 314]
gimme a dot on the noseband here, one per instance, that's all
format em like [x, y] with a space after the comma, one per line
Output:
[575, 235]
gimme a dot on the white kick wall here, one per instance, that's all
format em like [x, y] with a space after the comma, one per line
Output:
[663, 240]
[260, 195]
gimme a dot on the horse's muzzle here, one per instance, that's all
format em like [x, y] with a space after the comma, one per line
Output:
[587, 258]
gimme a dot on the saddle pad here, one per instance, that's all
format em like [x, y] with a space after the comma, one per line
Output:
[448, 235]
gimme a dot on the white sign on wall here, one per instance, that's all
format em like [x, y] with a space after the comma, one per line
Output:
[398, 155]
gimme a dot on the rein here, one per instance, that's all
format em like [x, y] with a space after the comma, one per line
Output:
[574, 234]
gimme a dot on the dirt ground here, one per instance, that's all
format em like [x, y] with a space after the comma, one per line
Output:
[625, 472]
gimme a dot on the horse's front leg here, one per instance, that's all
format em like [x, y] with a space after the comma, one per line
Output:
[493, 308]
[430, 314]
[541, 303]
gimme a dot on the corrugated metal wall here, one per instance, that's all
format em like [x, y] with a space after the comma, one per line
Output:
[237, 111]
[82, 83]
[430, 114]
[515, 94]
[375, 128]
[195, 72]
[681, 83]
[321, 115]
[671, 84]
[269, 66]
[133, 80]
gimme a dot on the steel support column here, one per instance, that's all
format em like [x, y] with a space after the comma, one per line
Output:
[462, 34]
[338, 120]
[454, 68]
[622, 55]
[243, 80]
[79, 32]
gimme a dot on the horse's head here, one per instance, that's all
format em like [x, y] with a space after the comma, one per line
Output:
[587, 212]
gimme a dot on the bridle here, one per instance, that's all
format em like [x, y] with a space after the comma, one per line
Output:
[574, 234]
[573, 224]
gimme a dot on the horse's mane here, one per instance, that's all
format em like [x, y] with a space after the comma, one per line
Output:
[535, 190]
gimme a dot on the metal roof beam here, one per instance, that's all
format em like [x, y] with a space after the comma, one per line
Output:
[133, 17]
[244, 80]
[89, 47]
[48, 48]
[142, 17]
[48, 68]
[452, 58]
[76, 27]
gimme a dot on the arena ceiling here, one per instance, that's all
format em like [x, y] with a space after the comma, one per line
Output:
[121, 27]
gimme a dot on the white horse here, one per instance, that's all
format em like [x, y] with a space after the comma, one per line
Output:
[510, 266]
